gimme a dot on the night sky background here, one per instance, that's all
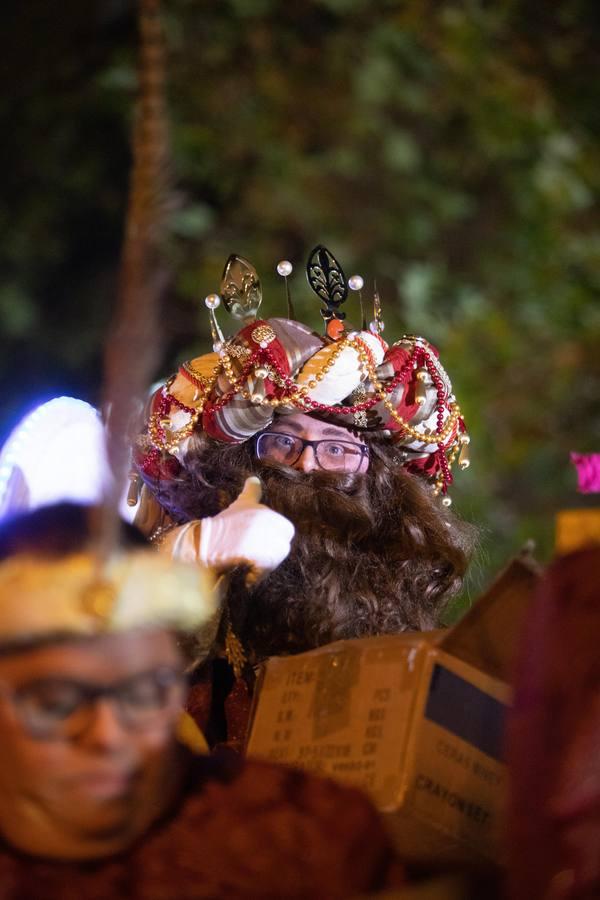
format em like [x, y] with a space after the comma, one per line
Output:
[451, 150]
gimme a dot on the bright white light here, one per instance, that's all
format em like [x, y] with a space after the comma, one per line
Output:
[56, 453]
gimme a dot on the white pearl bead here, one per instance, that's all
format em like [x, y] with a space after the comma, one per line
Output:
[356, 283]
[213, 301]
[447, 501]
[284, 267]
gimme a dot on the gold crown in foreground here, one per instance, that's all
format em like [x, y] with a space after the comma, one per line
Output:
[73, 595]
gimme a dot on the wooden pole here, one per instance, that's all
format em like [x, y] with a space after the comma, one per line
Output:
[134, 341]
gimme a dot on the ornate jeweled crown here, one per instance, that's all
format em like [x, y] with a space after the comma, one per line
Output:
[280, 366]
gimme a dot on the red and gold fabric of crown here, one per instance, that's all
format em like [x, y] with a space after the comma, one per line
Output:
[275, 367]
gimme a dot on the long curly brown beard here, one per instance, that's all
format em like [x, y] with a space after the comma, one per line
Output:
[373, 553]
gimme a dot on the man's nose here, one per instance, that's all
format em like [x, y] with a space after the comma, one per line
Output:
[307, 461]
[104, 729]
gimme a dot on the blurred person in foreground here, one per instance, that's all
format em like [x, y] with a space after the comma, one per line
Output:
[98, 798]
[554, 739]
[353, 440]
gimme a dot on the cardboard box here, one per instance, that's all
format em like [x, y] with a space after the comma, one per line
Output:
[416, 719]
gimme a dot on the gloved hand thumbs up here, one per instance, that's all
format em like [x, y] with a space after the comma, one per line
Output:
[246, 533]
[250, 494]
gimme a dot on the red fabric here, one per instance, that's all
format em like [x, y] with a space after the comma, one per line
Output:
[160, 467]
[238, 704]
[244, 830]
[427, 465]
[275, 347]
[217, 701]
[403, 397]
[554, 739]
[397, 356]
[199, 702]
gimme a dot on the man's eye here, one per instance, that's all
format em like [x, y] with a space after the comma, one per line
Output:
[58, 699]
[336, 449]
[284, 440]
[144, 692]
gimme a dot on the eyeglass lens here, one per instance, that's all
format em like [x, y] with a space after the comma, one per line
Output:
[64, 707]
[286, 449]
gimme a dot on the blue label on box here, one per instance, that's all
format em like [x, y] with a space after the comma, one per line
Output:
[466, 711]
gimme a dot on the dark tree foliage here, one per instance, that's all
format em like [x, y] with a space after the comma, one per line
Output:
[448, 149]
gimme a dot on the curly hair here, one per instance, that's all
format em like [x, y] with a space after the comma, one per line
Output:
[374, 553]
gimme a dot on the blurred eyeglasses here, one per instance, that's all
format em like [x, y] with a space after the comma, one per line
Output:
[64, 707]
[330, 454]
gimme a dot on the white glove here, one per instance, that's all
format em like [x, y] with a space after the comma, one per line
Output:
[247, 532]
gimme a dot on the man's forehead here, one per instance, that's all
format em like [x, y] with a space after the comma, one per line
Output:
[24, 645]
[124, 650]
[306, 426]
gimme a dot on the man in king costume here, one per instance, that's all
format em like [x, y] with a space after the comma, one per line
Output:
[353, 441]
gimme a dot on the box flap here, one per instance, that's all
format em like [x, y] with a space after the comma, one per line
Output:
[487, 635]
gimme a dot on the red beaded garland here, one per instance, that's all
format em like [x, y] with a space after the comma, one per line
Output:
[171, 400]
[443, 461]
[288, 390]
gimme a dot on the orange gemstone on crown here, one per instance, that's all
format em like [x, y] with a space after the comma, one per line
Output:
[335, 329]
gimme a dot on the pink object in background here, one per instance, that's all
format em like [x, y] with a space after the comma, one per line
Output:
[588, 472]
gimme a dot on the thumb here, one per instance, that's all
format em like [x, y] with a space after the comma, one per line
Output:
[251, 492]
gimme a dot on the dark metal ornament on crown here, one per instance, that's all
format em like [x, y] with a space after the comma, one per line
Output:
[326, 278]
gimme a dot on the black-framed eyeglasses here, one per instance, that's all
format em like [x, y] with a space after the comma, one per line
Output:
[63, 707]
[330, 454]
